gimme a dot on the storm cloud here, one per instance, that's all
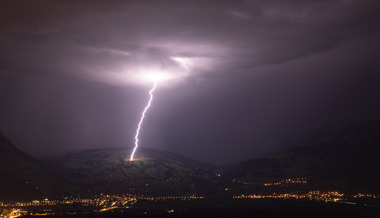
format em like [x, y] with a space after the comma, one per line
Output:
[262, 70]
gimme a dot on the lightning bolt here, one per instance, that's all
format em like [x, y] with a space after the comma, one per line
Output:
[142, 119]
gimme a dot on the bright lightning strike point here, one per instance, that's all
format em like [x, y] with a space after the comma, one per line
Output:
[142, 119]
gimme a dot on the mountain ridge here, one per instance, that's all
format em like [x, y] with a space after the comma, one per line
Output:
[342, 157]
[25, 177]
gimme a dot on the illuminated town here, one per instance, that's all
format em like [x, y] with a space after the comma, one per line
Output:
[332, 196]
[287, 181]
[326, 196]
[98, 204]
[104, 203]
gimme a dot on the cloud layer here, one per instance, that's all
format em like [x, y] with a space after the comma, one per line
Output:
[247, 73]
[110, 41]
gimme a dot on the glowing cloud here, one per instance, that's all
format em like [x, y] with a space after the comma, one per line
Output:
[186, 63]
[155, 76]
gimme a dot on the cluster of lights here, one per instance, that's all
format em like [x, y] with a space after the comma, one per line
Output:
[193, 197]
[361, 195]
[103, 202]
[287, 181]
[332, 196]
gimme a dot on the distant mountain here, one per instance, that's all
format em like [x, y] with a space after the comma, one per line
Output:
[23, 177]
[151, 173]
[342, 156]
[349, 132]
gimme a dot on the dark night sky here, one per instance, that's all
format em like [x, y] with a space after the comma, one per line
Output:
[262, 71]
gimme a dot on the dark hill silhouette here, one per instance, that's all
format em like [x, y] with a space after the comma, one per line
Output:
[342, 156]
[347, 133]
[22, 177]
[152, 173]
